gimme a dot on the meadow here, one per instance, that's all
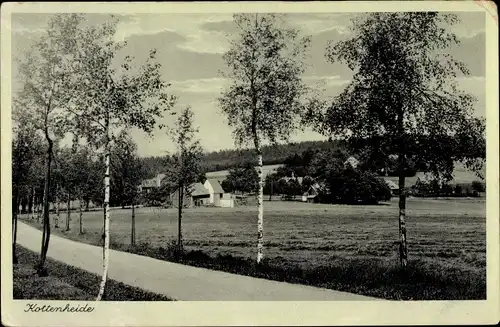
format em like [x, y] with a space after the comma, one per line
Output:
[306, 234]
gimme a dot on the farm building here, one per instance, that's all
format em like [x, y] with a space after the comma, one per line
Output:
[352, 161]
[210, 192]
[152, 183]
[313, 194]
[199, 196]
[393, 186]
[215, 191]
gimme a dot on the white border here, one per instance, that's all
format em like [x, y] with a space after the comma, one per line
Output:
[261, 313]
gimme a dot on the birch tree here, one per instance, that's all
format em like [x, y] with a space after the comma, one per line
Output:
[185, 168]
[127, 175]
[404, 93]
[44, 72]
[111, 99]
[266, 97]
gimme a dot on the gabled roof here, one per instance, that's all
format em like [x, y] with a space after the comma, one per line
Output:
[216, 185]
[391, 184]
[153, 182]
[198, 189]
[352, 161]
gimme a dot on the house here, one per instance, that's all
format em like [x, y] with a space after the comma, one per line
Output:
[217, 196]
[352, 161]
[393, 186]
[210, 192]
[215, 190]
[313, 193]
[198, 196]
[150, 184]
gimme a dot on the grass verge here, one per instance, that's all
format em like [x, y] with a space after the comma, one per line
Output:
[382, 278]
[66, 282]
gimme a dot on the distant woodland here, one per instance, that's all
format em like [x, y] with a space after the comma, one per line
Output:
[226, 159]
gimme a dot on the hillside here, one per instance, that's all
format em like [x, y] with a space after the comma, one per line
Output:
[226, 159]
[218, 163]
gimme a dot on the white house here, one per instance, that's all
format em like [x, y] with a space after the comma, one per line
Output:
[352, 161]
[393, 186]
[217, 196]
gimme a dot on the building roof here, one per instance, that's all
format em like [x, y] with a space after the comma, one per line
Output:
[352, 161]
[216, 185]
[198, 189]
[391, 184]
[153, 182]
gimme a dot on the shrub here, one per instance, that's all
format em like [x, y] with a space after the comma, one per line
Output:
[434, 189]
[351, 186]
[478, 186]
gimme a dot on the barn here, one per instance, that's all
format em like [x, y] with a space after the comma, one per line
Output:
[199, 196]
[215, 191]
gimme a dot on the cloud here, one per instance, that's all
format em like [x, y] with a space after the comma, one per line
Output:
[190, 26]
[327, 81]
[318, 23]
[201, 85]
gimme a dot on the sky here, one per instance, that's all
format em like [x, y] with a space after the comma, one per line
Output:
[190, 49]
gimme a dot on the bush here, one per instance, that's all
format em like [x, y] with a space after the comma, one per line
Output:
[478, 186]
[434, 189]
[351, 186]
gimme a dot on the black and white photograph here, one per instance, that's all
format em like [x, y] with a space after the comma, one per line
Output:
[159, 157]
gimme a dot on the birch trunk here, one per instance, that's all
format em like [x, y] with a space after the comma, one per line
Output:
[46, 215]
[132, 233]
[81, 215]
[105, 254]
[403, 246]
[68, 212]
[260, 217]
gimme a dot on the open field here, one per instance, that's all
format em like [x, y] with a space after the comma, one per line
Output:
[308, 234]
[341, 247]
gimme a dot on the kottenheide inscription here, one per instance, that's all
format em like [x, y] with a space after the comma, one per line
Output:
[33, 307]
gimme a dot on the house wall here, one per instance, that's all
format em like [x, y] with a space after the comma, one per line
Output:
[216, 198]
[210, 189]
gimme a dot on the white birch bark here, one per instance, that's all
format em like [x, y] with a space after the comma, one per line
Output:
[105, 258]
[260, 217]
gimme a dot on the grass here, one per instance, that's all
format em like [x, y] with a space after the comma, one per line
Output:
[66, 282]
[350, 248]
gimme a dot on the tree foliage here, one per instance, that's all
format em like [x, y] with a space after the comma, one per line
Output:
[126, 173]
[185, 166]
[241, 179]
[404, 92]
[267, 95]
